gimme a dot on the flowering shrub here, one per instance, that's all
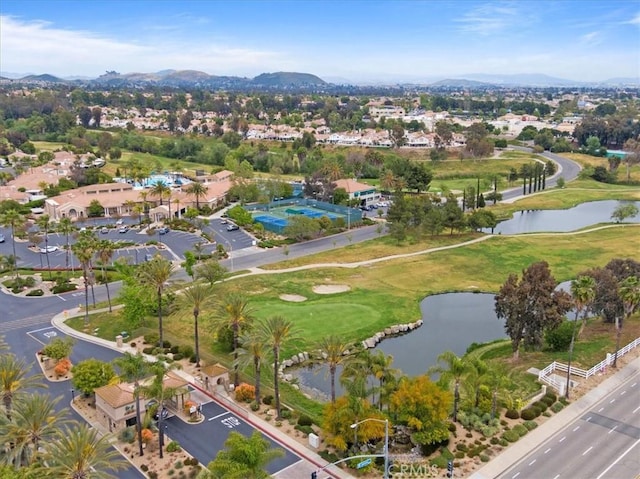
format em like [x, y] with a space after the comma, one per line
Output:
[147, 436]
[245, 392]
[188, 405]
[62, 367]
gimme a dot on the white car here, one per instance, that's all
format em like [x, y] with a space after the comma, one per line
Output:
[48, 249]
[119, 222]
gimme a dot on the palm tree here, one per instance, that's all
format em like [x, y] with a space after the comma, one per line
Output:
[197, 190]
[629, 292]
[80, 452]
[156, 273]
[35, 421]
[44, 223]
[14, 380]
[159, 190]
[145, 207]
[13, 219]
[197, 297]
[253, 351]
[583, 291]
[159, 391]
[242, 458]
[496, 378]
[454, 368]
[104, 251]
[66, 227]
[83, 250]
[133, 368]
[475, 379]
[334, 349]
[385, 374]
[234, 312]
[277, 331]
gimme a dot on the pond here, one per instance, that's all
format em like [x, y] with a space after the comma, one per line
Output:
[581, 216]
[452, 321]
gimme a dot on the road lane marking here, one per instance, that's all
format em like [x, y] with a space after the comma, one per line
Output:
[563, 438]
[634, 385]
[557, 476]
[219, 415]
[515, 475]
[60, 297]
[585, 452]
[547, 450]
[636, 410]
[613, 429]
[588, 419]
[612, 401]
[578, 427]
[618, 459]
[532, 462]
[623, 392]
[600, 410]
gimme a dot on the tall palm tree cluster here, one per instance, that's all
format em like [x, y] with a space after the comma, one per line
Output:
[37, 438]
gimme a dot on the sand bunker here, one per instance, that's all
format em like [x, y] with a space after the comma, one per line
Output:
[295, 298]
[331, 288]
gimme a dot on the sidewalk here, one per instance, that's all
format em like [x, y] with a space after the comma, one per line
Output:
[535, 438]
[311, 461]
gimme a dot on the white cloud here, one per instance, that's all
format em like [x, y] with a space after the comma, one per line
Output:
[489, 19]
[41, 47]
[591, 38]
[634, 21]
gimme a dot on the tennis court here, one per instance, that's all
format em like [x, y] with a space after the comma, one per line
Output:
[274, 217]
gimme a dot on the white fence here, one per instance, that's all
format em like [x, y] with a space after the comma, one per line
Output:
[546, 375]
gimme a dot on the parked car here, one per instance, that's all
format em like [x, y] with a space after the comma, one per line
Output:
[120, 222]
[223, 221]
[2, 239]
[163, 230]
[104, 230]
[48, 249]
[232, 227]
[123, 229]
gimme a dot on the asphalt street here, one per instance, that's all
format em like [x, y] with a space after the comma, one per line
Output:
[604, 442]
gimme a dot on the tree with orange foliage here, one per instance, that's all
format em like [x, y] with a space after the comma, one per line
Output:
[424, 407]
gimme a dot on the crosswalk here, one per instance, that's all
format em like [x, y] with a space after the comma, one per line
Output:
[16, 324]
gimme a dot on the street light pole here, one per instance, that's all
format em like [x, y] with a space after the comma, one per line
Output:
[386, 441]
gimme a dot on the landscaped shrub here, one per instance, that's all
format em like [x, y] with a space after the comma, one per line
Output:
[512, 414]
[547, 400]
[551, 395]
[285, 414]
[528, 414]
[328, 456]
[520, 429]
[305, 420]
[558, 339]
[177, 357]
[488, 431]
[62, 367]
[245, 392]
[173, 446]
[148, 350]
[530, 425]
[484, 458]
[305, 429]
[557, 407]
[128, 434]
[268, 400]
[63, 288]
[152, 475]
[452, 427]
[255, 406]
[511, 436]
[459, 455]
[494, 441]
[35, 292]
[175, 349]
[461, 446]
[144, 468]
[151, 338]
[192, 358]
[186, 350]
[541, 406]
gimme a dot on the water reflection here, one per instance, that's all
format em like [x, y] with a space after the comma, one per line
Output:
[581, 216]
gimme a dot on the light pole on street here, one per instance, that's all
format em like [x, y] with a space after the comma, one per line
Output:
[386, 441]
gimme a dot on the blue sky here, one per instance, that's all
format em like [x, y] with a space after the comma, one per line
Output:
[393, 40]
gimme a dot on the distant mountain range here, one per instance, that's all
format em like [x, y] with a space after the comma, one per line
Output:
[304, 81]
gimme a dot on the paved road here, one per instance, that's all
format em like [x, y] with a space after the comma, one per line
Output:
[602, 443]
